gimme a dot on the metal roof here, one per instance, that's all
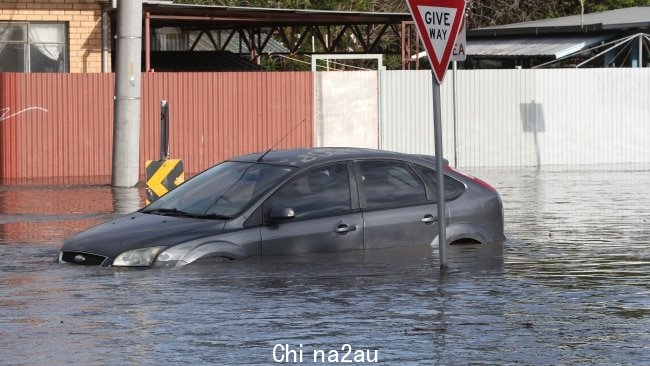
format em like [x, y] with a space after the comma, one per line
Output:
[555, 47]
[231, 15]
[637, 17]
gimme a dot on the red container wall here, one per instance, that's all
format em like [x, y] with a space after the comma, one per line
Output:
[59, 126]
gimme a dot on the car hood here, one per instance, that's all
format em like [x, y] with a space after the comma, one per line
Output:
[139, 230]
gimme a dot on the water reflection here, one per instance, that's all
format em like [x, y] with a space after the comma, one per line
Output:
[570, 286]
[579, 228]
[126, 200]
[48, 214]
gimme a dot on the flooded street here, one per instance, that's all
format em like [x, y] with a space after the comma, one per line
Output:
[570, 286]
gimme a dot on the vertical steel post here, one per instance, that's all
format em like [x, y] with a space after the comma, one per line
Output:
[440, 176]
[164, 130]
[634, 55]
[126, 124]
[105, 40]
[147, 42]
[382, 106]
[455, 69]
[640, 50]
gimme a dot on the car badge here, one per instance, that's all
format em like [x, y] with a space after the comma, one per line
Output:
[79, 258]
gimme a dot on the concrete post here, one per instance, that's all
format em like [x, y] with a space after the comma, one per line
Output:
[126, 123]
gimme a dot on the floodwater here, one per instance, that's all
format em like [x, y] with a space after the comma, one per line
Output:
[570, 286]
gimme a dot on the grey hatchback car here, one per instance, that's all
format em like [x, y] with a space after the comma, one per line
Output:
[295, 201]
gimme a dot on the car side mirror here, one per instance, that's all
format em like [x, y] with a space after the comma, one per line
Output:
[282, 213]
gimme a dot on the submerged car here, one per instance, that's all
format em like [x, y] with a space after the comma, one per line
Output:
[295, 201]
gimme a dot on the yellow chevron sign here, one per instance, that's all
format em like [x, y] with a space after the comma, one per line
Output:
[162, 177]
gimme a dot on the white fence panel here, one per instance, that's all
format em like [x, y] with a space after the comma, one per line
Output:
[346, 109]
[524, 117]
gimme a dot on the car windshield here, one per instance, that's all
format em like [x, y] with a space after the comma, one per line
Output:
[220, 192]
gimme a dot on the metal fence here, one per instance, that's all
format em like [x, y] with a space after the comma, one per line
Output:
[524, 117]
[59, 126]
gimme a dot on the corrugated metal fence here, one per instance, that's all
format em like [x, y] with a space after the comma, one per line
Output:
[55, 125]
[60, 125]
[525, 117]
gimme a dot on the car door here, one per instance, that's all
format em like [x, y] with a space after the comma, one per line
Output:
[396, 211]
[326, 214]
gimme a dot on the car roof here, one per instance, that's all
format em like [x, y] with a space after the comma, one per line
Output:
[314, 156]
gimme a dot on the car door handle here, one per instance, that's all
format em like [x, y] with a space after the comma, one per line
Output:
[428, 219]
[344, 229]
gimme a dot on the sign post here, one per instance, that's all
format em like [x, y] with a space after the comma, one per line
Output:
[438, 23]
[458, 55]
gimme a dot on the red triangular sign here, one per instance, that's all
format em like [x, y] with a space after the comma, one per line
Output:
[438, 22]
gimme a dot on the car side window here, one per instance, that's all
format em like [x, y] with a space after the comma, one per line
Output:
[453, 188]
[387, 183]
[318, 192]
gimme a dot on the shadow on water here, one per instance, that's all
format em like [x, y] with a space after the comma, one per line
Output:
[570, 286]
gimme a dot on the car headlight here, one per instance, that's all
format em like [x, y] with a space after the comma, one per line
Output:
[142, 257]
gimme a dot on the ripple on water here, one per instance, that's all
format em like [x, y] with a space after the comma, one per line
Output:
[569, 286]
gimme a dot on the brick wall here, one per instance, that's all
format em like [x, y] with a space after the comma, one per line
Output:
[84, 26]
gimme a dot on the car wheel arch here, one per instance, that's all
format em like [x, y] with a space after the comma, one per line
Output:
[464, 232]
[215, 249]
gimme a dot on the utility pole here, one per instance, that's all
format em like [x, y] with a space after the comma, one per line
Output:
[126, 122]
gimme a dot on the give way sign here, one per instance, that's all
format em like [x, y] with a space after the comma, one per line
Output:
[438, 23]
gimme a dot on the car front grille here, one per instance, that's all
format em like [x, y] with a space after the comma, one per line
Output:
[84, 259]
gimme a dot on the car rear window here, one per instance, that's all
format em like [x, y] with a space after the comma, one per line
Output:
[453, 188]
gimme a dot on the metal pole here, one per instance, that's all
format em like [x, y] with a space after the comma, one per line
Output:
[440, 176]
[327, 45]
[126, 124]
[634, 55]
[105, 40]
[164, 130]
[382, 106]
[147, 42]
[455, 69]
[640, 50]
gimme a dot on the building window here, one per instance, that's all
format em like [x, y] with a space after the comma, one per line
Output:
[33, 47]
